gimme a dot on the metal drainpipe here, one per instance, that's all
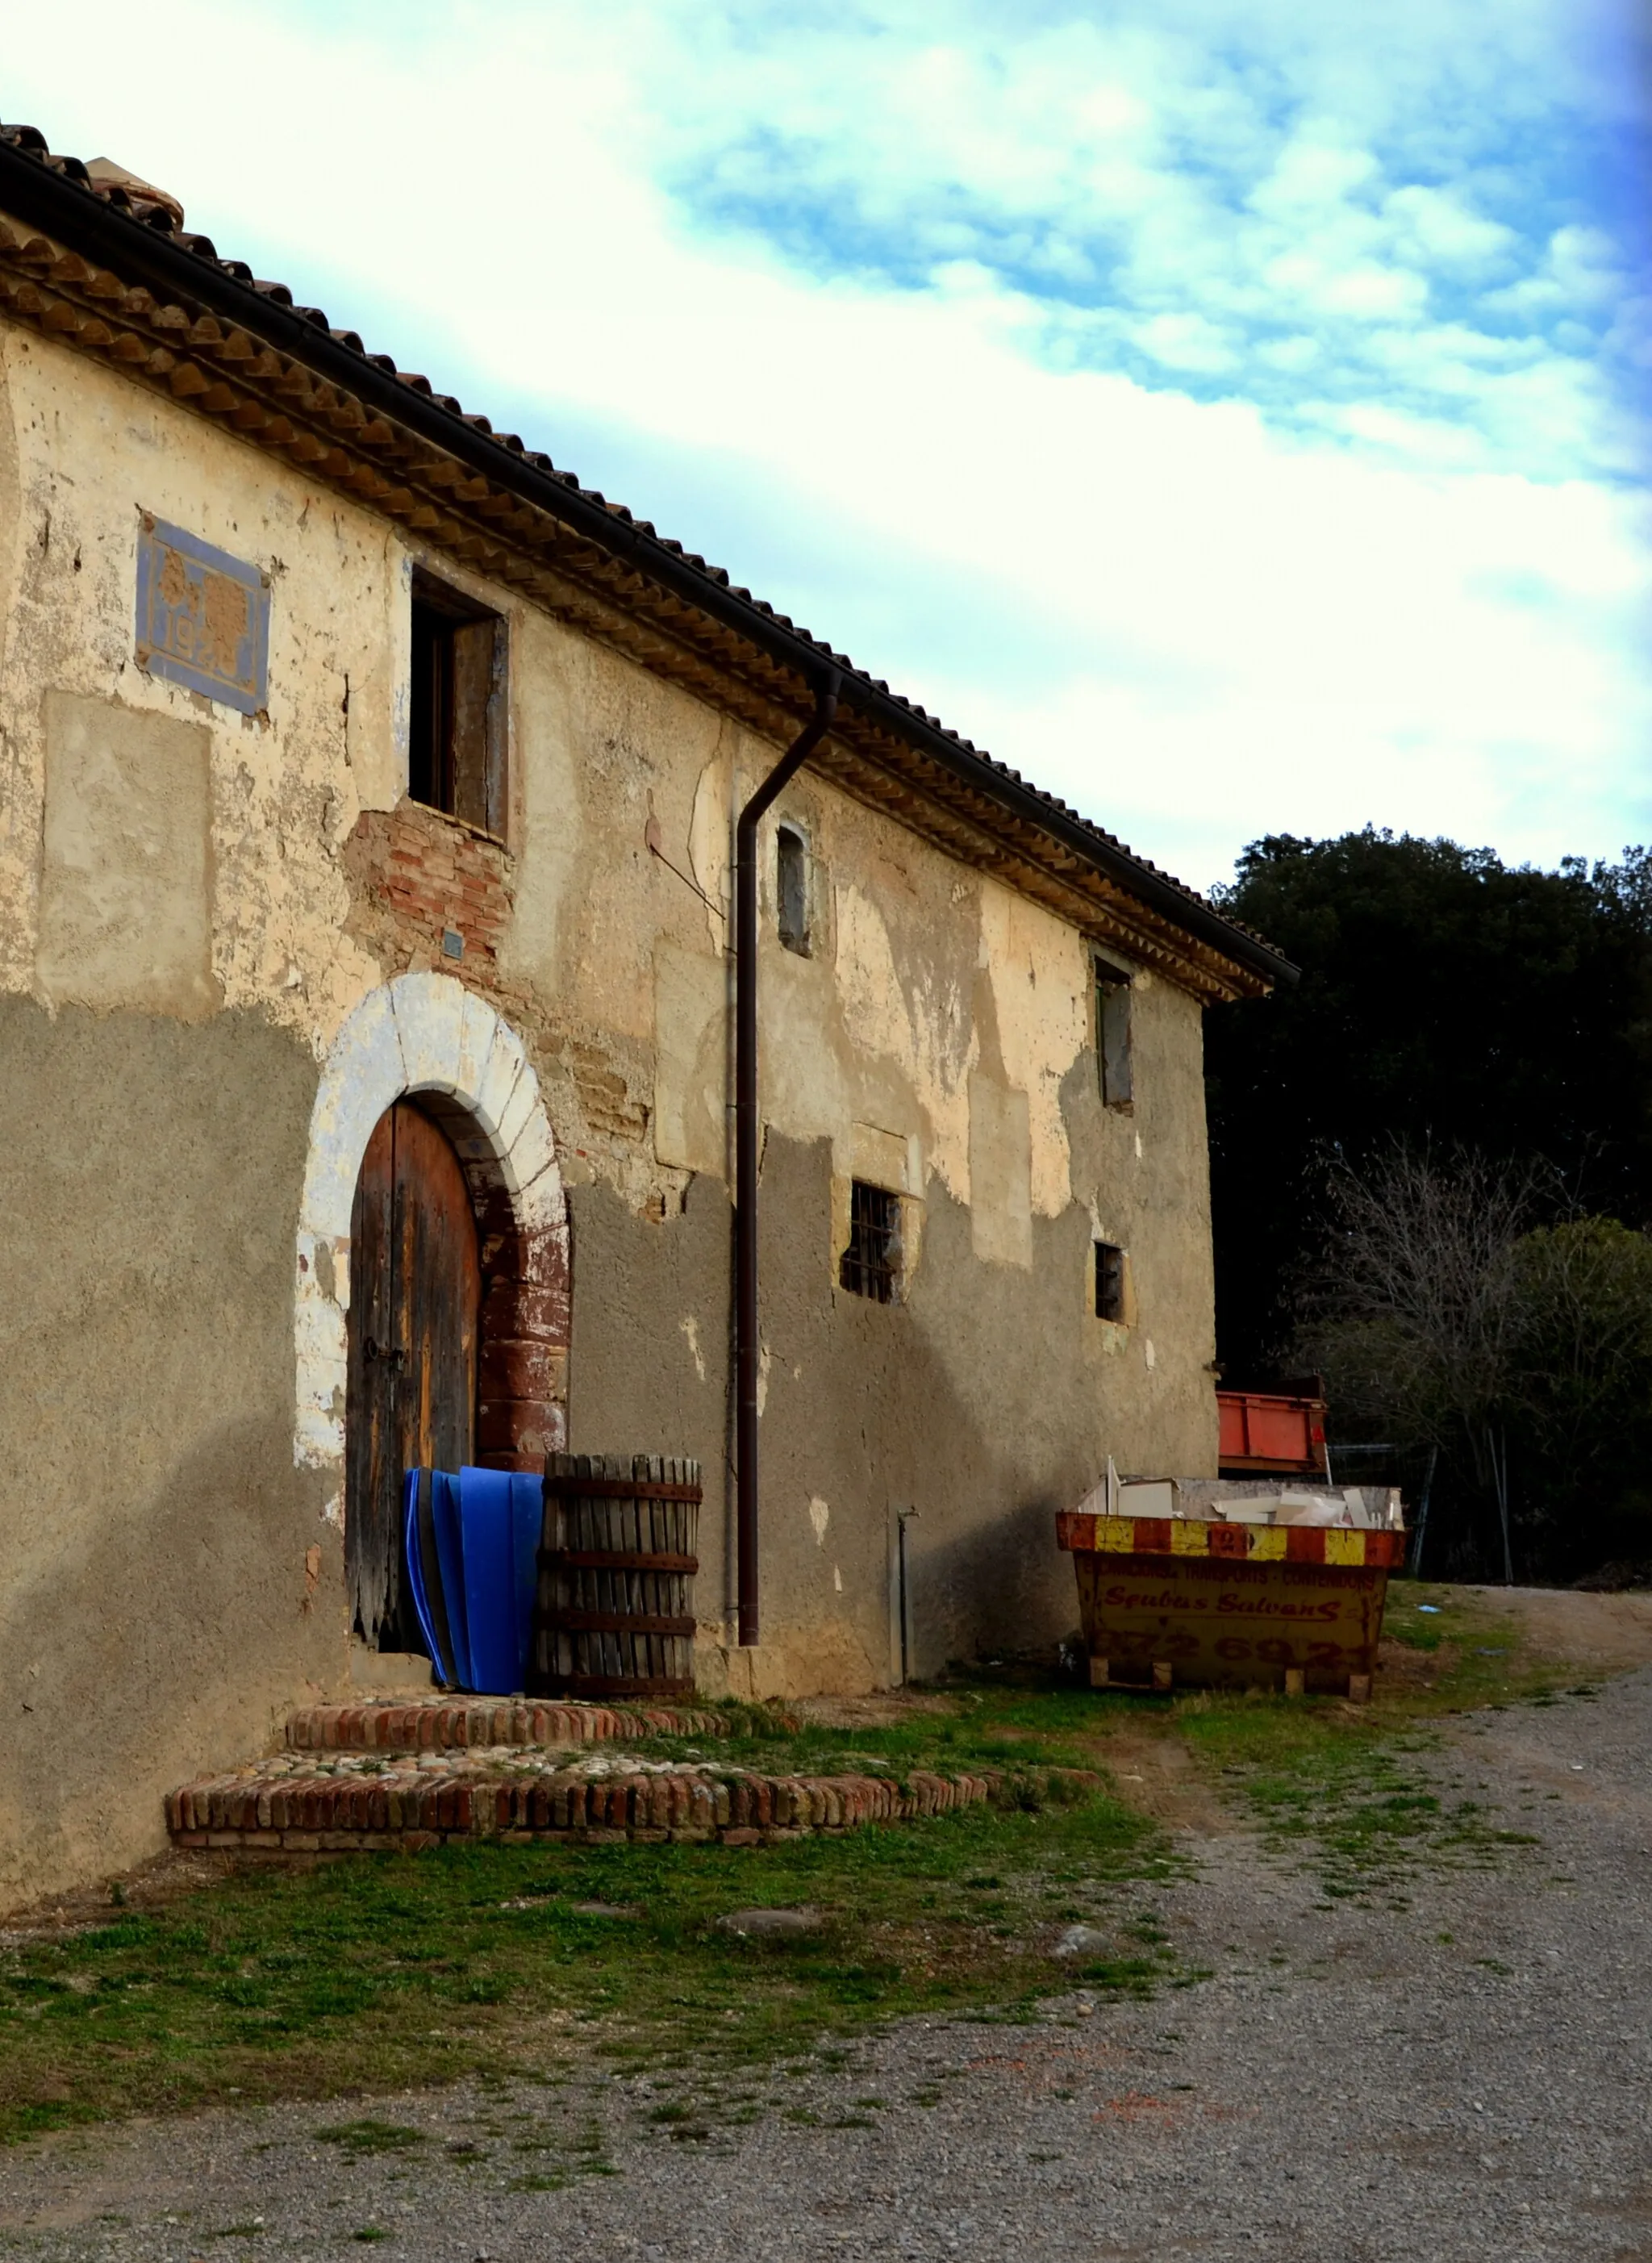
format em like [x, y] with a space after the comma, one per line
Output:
[747, 1139]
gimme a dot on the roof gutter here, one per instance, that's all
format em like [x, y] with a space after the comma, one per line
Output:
[59, 204]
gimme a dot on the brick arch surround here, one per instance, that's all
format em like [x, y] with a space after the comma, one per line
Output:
[427, 1037]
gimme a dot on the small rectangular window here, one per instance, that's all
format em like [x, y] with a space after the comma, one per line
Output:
[871, 1266]
[1109, 1282]
[1113, 1033]
[791, 888]
[455, 738]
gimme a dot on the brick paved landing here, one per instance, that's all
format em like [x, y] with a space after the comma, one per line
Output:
[439, 1724]
[292, 1805]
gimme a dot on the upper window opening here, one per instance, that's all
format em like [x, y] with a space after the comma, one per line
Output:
[1109, 1282]
[871, 1266]
[792, 889]
[1113, 1033]
[456, 742]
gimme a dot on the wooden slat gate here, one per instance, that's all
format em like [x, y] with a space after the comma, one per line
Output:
[615, 1613]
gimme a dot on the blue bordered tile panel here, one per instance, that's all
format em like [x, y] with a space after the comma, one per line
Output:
[203, 617]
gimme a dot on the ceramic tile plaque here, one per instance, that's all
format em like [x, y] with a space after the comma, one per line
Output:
[203, 617]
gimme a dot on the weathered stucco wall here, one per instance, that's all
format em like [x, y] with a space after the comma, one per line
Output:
[159, 1601]
[194, 904]
[986, 1399]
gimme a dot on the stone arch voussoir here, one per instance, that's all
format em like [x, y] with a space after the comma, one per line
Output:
[426, 1036]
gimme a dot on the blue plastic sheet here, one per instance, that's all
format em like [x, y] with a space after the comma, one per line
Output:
[449, 1556]
[471, 1543]
[417, 1554]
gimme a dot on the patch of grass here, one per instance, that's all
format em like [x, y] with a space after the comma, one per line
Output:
[387, 1972]
[1351, 1792]
[1341, 1780]
[374, 1974]
[361, 2139]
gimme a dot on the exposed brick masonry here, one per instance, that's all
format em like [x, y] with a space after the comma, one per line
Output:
[415, 873]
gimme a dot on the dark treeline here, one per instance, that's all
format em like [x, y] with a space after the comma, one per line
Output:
[1490, 1027]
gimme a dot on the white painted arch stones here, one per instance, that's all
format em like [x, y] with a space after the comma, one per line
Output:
[427, 1035]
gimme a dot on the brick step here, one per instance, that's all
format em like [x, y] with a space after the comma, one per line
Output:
[440, 1723]
[285, 1805]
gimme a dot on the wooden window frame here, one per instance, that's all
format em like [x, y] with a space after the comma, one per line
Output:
[457, 707]
[1115, 1075]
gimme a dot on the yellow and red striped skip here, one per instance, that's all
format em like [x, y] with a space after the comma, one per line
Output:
[1258, 1544]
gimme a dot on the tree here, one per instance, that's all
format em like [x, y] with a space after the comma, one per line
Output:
[1414, 1314]
[1581, 1394]
[1446, 999]
[1441, 1315]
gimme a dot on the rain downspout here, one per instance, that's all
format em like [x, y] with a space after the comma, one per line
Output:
[747, 1140]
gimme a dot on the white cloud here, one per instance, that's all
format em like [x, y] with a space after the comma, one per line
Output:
[1185, 341]
[1441, 227]
[930, 369]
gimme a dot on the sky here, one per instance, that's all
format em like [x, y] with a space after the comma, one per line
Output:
[1233, 414]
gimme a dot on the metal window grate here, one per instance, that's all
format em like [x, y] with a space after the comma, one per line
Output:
[1109, 1282]
[871, 1266]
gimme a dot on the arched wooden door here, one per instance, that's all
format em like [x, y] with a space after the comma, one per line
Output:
[414, 1308]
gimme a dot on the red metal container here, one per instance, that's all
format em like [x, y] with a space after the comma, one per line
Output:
[1266, 1430]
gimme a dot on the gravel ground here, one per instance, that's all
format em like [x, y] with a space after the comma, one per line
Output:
[1468, 2076]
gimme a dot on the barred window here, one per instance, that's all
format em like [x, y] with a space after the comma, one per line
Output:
[871, 1266]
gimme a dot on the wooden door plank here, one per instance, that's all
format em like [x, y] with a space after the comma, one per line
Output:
[414, 1323]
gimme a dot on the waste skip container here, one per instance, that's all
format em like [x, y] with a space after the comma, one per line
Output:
[1215, 1590]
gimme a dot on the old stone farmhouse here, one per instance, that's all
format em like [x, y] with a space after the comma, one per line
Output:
[367, 798]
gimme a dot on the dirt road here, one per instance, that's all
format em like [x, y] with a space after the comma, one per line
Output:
[1460, 2069]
